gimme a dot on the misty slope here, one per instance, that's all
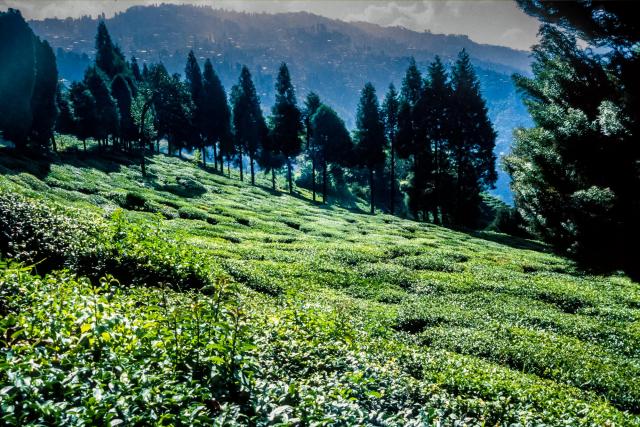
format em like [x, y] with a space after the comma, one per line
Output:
[331, 57]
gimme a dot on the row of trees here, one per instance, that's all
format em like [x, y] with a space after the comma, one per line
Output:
[436, 127]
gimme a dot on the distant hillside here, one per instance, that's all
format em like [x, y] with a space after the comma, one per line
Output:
[331, 57]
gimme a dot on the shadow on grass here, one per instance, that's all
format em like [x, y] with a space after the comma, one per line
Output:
[511, 241]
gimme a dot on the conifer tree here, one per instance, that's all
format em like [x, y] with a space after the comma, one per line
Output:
[109, 58]
[43, 99]
[248, 123]
[85, 111]
[311, 105]
[122, 94]
[472, 141]
[287, 121]
[193, 78]
[65, 121]
[332, 142]
[17, 77]
[135, 70]
[107, 114]
[215, 112]
[390, 116]
[370, 136]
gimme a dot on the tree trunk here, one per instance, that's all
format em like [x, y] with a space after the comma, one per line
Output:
[84, 144]
[241, 167]
[436, 189]
[229, 167]
[53, 143]
[215, 156]
[324, 182]
[313, 178]
[253, 180]
[204, 156]
[289, 175]
[273, 179]
[371, 189]
[180, 152]
[158, 145]
[392, 196]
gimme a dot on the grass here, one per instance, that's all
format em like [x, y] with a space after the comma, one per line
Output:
[347, 318]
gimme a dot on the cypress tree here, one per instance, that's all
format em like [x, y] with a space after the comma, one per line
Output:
[370, 136]
[287, 121]
[248, 123]
[122, 94]
[43, 99]
[86, 114]
[331, 141]
[216, 113]
[109, 58]
[17, 77]
[311, 105]
[65, 121]
[472, 141]
[135, 69]
[390, 115]
[108, 117]
[193, 78]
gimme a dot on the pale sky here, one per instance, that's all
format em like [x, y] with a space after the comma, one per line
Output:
[498, 22]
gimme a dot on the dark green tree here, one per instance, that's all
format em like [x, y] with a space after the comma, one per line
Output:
[370, 136]
[65, 123]
[390, 109]
[332, 142]
[471, 141]
[287, 121]
[574, 175]
[249, 126]
[135, 69]
[121, 92]
[17, 77]
[109, 58]
[107, 114]
[193, 78]
[311, 105]
[215, 112]
[43, 99]
[85, 111]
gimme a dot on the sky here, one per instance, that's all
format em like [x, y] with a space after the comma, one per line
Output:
[498, 22]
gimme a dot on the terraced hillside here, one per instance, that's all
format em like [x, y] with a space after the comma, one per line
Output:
[188, 297]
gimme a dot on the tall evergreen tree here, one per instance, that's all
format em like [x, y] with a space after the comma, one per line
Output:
[85, 111]
[122, 94]
[107, 114]
[215, 112]
[65, 120]
[109, 58]
[287, 121]
[193, 78]
[43, 99]
[17, 77]
[472, 141]
[437, 123]
[249, 125]
[390, 115]
[332, 142]
[370, 136]
[311, 105]
[135, 69]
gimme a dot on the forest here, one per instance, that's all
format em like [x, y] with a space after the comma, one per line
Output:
[177, 253]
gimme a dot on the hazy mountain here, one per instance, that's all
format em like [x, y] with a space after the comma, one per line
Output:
[331, 57]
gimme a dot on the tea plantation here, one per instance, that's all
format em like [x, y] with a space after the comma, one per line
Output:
[189, 298]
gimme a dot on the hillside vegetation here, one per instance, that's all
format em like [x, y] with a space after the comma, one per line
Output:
[188, 297]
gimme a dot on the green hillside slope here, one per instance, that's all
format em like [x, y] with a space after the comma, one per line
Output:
[227, 302]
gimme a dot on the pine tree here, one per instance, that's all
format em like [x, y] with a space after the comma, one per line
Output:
[107, 114]
[85, 111]
[109, 58]
[472, 141]
[370, 136]
[287, 121]
[248, 123]
[311, 105]
[17, 77]
[332, 142]
[437, 123]
[43, 99]
[122, 94]
[193, 78]
[215, 112]
[65, 123]
[390, 115]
